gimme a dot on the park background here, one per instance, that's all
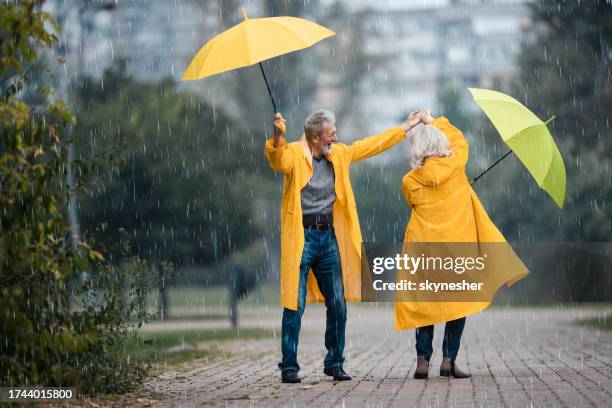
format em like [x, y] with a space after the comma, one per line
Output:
[191, 204]
[196, 189]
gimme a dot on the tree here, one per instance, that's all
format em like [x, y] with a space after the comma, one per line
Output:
[42, 342]
[565, 71]
[186, 192]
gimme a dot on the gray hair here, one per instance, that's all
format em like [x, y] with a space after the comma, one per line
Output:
[426, 141]
[313, 125]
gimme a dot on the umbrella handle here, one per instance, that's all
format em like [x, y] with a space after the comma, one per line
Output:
[268, 86]
[550, 119]
[490, 167]
[505, 155]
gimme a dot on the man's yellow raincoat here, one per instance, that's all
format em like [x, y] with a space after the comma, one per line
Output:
[295, 161]
[444, 209]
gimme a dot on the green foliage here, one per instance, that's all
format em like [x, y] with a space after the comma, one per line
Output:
[62, 305]
[178, 346]
[382, 208]
[451, 100]
[191, 176]
[602, 322]
[565, 71]
[22, 29]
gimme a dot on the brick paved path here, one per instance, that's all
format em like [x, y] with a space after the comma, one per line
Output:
[518, 357]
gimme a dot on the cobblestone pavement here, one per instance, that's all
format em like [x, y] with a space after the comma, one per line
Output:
[518, 357]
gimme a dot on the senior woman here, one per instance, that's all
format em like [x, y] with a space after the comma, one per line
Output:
[444, 209]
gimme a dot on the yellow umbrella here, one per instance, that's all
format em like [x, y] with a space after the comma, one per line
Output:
[253, 41]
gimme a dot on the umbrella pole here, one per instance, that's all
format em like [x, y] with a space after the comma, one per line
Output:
[268, 86]
[490, 167]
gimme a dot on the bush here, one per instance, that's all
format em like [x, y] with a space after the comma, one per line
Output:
[64, 311]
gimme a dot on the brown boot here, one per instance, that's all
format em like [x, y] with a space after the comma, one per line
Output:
[450, 369]
[422, 368]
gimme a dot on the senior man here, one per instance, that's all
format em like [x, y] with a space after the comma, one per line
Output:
[320, 230]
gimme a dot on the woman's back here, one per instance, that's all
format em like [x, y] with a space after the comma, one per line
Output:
[440, 195]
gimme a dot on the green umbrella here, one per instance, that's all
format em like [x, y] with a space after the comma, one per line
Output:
[528, 137]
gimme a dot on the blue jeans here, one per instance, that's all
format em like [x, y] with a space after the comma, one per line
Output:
[452, 339]
[321, 254]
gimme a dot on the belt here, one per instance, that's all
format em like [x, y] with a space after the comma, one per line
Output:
[320, 222]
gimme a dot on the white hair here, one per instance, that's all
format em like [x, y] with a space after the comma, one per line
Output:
[313, 125]
[426, 141]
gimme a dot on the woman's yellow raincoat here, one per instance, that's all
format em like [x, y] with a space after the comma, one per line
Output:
[295, 161]
[444, 209]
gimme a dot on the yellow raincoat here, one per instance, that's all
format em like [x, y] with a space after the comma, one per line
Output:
[444, 209]
[295, 161]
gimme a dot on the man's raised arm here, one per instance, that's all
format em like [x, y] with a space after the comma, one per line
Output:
[278, 155]
[373, 145]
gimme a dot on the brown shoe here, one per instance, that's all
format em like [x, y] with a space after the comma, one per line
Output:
[450, 369]
[422, 368]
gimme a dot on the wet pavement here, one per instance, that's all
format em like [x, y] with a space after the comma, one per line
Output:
[518, 357]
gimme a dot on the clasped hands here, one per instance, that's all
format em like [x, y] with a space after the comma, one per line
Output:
[415, 117]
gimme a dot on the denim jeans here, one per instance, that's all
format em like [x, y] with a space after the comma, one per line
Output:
[321, 254]
[450, 345]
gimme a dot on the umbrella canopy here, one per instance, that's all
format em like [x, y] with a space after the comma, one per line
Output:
[252, 41]
[528, 137]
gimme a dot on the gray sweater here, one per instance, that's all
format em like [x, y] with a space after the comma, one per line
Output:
[319, 194]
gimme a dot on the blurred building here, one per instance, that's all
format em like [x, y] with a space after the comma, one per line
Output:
[416, 46]
[410, 48]
[155, 37]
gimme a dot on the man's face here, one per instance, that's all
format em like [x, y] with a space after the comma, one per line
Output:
[327, 138]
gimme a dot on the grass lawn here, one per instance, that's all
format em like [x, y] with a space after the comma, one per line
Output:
[550, 305]
[174, 347]
[211, 302]
[601, 323]
[197, 296]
